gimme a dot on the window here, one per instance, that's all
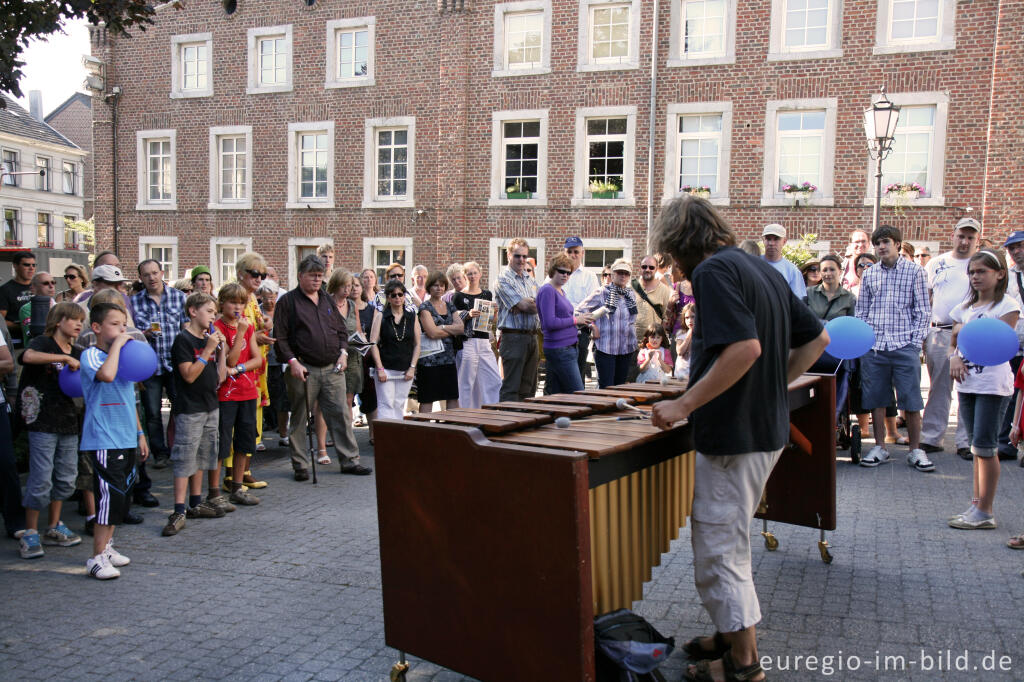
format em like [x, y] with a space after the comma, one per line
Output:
[231, 167]
[519, 157]
[10, 165]
[224, 253]
[918, 150]
[698, 153]
[350, 52]
[44, 230]
[299, 248]
[380, 252]
[604, 154]
[599, 253]
[799, 147]
[311, 165]
[191, 74]
[609, 35]
[12, 227]
[44, 182]
[156, 170]
[915, 26]
[270, 59]
[805, 29]
[389, 168]
[702, 32]
[164, 250]
[498, 260]
[69, 174]
[72, 237]
[522, 38]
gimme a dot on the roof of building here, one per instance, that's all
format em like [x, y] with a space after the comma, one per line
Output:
[14, 120]
[85, 99]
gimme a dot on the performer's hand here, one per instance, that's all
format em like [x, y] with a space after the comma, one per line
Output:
[667, 412]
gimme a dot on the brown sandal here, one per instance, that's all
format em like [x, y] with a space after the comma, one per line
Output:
[1016, 542]
[702, 671]
[697, 652]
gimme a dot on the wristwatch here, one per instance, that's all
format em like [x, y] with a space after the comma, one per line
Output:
[240, 368]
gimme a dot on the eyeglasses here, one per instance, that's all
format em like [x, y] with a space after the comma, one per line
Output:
[396, 275]
[396, 294]
[648, 267]
[71, 276]
[257, 275]
[563, 272]
[621, 272]
[187, 291]
[813, 268]
[51, 283]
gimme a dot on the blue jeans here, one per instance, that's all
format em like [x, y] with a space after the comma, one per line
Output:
[152, 393]
[981, 414]
[883, 370]
[563, 373]
[52, 468]
[613, 369]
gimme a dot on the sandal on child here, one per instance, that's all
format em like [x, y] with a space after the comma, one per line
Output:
[323, 459]
[696, 652]
[1016, 542]
[702, 671]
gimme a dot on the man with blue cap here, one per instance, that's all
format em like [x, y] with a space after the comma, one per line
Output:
[1014, 246]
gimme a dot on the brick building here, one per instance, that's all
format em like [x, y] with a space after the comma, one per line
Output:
[73, 120]
[398, 129]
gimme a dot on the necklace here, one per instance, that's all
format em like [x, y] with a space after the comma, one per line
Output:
[399, 335]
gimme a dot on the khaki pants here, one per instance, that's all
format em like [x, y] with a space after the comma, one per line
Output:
[322, 385]
[519, 360]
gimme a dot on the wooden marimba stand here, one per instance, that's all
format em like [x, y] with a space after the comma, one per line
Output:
[502, 536]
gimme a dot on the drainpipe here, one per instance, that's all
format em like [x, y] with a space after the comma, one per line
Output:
[651, 125]
[112, 99]
[991, 103]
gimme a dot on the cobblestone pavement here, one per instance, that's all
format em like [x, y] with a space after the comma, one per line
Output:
[291, 589]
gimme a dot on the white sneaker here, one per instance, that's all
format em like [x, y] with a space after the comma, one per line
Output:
[116, 559]
[877, 455]
[919, 460]
[99, 567]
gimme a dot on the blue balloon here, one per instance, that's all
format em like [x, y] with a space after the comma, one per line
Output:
[850, 337]
[987, 341]
[137, 362]
[70, 381]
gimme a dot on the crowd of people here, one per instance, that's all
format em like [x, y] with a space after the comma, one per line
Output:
[251, 359]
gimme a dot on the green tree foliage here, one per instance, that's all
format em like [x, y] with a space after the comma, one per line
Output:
[799, 252]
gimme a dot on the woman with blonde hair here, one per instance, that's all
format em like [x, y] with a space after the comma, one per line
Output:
[339, 286]
[479, 379]
[76, 277]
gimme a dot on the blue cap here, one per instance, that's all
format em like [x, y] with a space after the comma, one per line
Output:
[1014, 237]
[572, 242]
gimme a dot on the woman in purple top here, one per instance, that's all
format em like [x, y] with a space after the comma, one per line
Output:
[558, 325]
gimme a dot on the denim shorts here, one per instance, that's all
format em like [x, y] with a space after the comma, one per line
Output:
[196, 442]
[982, 415]
[883, 370]
[52, 468]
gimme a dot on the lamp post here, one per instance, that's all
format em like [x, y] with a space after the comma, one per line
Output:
[880, 128]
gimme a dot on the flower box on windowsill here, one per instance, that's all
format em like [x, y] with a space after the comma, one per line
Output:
[798, 195]
[12, 242]
[904, 196]
[606, 194]
[518, 195]
[45, 245]
[700, 194]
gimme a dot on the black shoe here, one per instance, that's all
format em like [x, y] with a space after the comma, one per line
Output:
[131, 518]
[964, 453]
[90, 526]
[1007, 455]
[356, 470]
[146, 499]
[161, 463]
[301, 475]
[929, 448]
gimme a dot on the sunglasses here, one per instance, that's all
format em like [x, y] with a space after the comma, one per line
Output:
[257, 275]
[187, 291]
[50, 283]
[648, 267]
[70, 276]
[606, 274]
[396, 275]
[563, 272]
[396, 294]
[861, 266]
[813, 268]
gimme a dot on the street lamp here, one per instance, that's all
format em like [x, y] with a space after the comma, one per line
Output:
[880, 128]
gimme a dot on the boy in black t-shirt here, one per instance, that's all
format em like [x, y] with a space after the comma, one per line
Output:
[198, 359]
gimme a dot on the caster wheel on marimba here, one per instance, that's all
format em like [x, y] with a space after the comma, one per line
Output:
[770, 541]
[398, 671]
[826, 556]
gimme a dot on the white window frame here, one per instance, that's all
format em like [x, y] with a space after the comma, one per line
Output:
[494, 267]
[216, 201]
[253, 38]
[676, 58]
[502, 9]
[371, 244]
[498, 119]
[76, 241]
[670, 190]
[294, 131]
[148, 242]
[585, 60]
[177, 43]
[824, 196]
[142, 200]
[12, 180]
[581, 186]
[293, 265]
[336, 26]
[45, 183]
[945, 40]
[936, 157]
[18, 227]
[76, 178]
[599, 244]
[370, 198]
[50, 229]
[218, 243]
[777, 50]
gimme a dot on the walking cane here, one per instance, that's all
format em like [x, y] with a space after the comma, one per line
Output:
[310, 430]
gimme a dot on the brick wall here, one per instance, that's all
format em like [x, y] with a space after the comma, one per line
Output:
[74, 121]
[437, 67]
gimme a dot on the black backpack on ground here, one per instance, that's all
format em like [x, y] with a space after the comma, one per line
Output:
[629, 649]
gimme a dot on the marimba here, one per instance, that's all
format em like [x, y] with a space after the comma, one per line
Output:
[502, 535]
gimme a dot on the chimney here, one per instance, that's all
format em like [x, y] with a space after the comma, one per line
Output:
[35, 104]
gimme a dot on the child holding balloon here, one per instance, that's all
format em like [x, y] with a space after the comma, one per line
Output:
[51, 419]
[982, 389]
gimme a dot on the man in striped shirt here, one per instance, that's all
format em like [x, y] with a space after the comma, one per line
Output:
[516, 295]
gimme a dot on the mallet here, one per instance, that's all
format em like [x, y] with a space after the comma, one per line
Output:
[565, 422]
[623, 405]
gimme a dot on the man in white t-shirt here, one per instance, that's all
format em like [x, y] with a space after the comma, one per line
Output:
[582, 283]
[774, 237]
[949, 285]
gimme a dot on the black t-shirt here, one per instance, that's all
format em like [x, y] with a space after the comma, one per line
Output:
[201, 394]
[41, 404]
[740, 297]
[464, 301]
[12, 297]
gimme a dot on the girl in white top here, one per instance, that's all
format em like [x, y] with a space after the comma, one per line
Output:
[982, 391]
